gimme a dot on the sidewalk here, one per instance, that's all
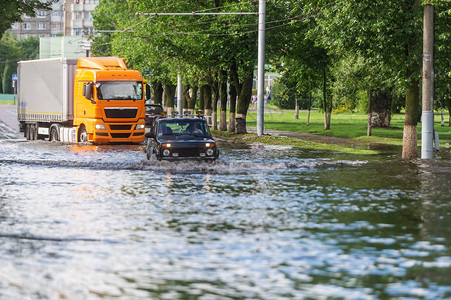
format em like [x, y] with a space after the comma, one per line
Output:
[9, 126]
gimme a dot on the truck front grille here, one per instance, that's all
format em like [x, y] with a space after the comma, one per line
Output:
[120, 127]
[120, 135]
[121, 112]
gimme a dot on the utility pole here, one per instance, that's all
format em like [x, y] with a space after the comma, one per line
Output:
[427, 128]
[261, 68]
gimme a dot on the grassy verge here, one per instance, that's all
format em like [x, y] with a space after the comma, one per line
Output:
[346, 125]
[286, 141]
[7, 102]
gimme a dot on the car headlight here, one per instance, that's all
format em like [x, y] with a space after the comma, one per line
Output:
[209, 145]
[100, 127]
[140, 127]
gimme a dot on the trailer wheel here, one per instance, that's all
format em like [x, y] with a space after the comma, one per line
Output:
[32, 133]
[54, 134]
[82, 135]
[27, 131]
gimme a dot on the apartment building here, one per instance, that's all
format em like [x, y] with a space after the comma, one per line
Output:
[67, 17]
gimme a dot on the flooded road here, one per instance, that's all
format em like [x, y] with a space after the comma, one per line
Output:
[266, 222]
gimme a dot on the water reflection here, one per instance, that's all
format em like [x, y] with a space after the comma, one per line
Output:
[263, 223]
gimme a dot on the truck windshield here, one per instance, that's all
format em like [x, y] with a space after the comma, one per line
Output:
[119, 90]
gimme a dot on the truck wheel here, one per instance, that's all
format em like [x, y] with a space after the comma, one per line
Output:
[82, 135]
[33, 132]
[54, 136]
[27, 131]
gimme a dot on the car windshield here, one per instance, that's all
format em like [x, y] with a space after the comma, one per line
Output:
[183, 127]
[119, 90]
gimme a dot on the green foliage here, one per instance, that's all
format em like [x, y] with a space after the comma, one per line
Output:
[12, 51]
[281, 96]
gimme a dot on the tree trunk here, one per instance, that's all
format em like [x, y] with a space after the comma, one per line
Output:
[380, 108]
[296, 109]
[409, 142]
[157, 92]
[189, 98]
[215, 102]
[190, 94]
[208, 102]
[448, 105]
[202, 99]
[223, 100]
[169, 94]
[368, 126]
[244, 98]
[233, 95]
[309, 104]
[326, 106]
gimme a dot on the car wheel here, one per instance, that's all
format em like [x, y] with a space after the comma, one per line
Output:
[149, 152]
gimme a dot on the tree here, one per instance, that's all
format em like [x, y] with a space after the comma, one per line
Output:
[388, 36]
[197, 46]
[12, 51]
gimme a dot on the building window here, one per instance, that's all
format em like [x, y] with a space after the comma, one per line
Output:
[78, 15]
[88, 15]
[40, 26]
[77, 31]
[41, 14]
[15, 26]
[27, 26]
[56, 13]
[55, 25]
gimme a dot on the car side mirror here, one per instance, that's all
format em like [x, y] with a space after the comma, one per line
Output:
[148, 96]
[150, 135]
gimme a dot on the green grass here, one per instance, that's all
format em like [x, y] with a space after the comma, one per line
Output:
[347, 125]
[7, 102]
[286, 141]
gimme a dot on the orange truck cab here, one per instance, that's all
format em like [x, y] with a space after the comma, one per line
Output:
[93, 99]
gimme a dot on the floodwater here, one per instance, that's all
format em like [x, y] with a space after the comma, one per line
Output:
[265, 222]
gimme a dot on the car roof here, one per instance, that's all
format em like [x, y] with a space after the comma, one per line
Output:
[181, 119]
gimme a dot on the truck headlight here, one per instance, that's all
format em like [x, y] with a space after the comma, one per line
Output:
[140, 127]
[100, 127]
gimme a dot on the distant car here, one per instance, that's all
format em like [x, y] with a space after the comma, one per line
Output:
[181, 138]
[152, 111]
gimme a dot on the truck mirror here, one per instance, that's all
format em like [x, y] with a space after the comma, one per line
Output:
[148, 92]
[87, 90]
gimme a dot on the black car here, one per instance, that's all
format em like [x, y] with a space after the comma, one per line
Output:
[153, 111]
[181, 138]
